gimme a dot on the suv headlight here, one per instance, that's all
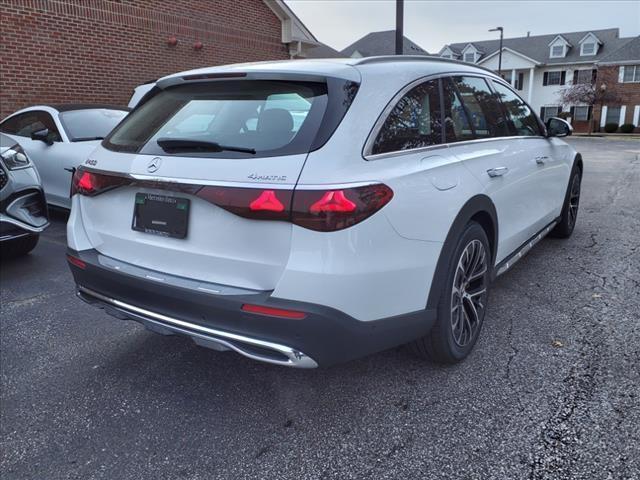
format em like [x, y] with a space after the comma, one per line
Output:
[15, 158]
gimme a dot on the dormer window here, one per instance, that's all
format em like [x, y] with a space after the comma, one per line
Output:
[558, 47]
[557, 51]
[589, 45]
[470, 53]
[588, 49]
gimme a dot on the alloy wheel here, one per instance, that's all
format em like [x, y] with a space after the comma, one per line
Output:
[468, 296]
[574, 200]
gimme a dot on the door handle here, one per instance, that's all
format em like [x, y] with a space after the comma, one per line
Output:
[541, 159]
[497, 171]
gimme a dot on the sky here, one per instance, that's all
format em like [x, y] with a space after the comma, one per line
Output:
[434, 23]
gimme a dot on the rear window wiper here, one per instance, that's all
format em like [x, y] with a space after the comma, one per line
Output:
[177, 145]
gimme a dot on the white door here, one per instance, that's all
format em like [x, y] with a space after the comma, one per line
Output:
[482, 137]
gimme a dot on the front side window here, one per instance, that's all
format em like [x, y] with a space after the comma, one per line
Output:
[522, 119]
[262, 118]
[482, 107]
[26, 123]
[91, 123]
[414, 122]
[457, 127]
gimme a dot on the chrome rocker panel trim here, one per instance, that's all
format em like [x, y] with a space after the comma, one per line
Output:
[294, 358]
[512, 259]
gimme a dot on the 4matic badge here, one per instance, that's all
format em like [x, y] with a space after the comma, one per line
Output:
[268, 178]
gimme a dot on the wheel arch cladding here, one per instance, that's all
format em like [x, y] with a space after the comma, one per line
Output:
[480, 209]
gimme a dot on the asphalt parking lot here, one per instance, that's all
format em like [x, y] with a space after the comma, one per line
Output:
[552, 390]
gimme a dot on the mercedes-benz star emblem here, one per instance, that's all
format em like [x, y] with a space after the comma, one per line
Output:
[154, 165]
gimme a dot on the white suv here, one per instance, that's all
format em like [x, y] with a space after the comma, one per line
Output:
[309, 212]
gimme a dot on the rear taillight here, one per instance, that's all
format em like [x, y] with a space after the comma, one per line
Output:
[252, 203]
[331, 210]
[89, 183]
[323, 210]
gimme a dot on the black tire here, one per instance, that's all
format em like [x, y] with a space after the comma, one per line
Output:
[443, 343]
[19, 246]
[569, 214]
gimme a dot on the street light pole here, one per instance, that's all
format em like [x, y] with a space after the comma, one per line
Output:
[501, 30]
[399, 27]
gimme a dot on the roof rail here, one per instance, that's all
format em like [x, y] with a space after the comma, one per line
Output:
[414, 58]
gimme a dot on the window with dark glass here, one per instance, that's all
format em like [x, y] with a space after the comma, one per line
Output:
[456, 122]
[482, 107]
[414, 122]
[522, 119]
[25, 124]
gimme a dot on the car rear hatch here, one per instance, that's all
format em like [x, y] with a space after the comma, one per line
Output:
[198, 181]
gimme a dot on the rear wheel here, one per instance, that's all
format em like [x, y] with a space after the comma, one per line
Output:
[462, 306]
[19, 246]
[569, 214]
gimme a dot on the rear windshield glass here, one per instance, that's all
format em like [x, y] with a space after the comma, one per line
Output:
[268, 117]
[90, 124]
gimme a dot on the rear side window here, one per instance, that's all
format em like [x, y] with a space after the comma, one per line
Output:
[91, 123]
[414, 122]
[522, 119]
[270, 117]
[482, 107]
[26, 123]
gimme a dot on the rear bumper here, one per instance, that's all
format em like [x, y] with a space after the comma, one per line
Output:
[324, 337]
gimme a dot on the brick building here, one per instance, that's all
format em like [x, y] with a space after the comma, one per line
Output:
[622, 65]
[97, 51]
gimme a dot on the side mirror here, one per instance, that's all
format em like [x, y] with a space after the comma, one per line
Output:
[42, 135]
[557, 127]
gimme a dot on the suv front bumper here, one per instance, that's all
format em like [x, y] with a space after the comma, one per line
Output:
[216, 320]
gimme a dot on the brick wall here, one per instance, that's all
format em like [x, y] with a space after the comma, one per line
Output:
[628, 92]
[97, 51]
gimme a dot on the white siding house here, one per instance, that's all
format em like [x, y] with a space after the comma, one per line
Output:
[539, 67]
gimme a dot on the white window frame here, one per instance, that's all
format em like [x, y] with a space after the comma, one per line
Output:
[562, 55]
[559, 72]
[635, 76]
[446, 56]
[470, 53]
[585, 54]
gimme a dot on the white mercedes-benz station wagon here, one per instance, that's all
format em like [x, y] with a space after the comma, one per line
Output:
[310, 212]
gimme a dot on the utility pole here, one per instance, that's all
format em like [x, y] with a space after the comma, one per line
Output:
[399, 27]
[501, 30]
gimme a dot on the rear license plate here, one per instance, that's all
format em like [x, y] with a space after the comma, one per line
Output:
[161, 215]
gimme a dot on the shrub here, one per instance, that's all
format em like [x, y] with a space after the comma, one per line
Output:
[611, 127]
[563, 115]
[627, 128]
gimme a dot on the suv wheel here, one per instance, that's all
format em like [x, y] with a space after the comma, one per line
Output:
[462, 306]
[569, 214]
